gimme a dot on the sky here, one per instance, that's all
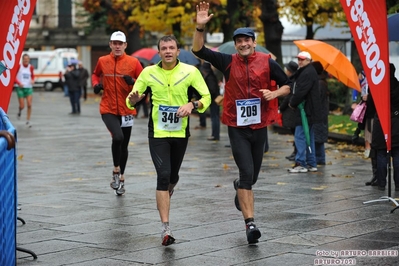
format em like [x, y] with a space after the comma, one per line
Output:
[288, 27]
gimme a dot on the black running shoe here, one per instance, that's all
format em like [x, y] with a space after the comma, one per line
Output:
[253, 233]
[236, 202]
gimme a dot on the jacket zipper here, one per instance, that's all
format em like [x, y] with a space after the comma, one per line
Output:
[115, 89]
[249, 83]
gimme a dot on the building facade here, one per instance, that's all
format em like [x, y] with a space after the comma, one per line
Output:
[60, 24]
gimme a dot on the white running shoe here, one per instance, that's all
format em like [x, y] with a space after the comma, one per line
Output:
[115, 180]
[167, 236]
[298, 169]
[121, 190]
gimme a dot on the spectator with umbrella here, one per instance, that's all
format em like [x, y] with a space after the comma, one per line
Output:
[305, 93]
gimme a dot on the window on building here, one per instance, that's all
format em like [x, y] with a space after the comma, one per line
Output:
[65, 13]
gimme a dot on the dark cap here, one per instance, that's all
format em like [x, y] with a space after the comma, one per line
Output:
[244, 31]
[291, 66]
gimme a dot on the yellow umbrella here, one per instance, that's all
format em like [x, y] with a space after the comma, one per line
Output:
[333, 61]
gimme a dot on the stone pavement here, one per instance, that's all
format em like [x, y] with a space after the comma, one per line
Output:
[73, 217]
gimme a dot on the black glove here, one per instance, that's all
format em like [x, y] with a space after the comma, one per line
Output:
[97, 88]
[128, 79]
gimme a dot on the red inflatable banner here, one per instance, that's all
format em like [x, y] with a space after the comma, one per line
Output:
[16, 17]
[368, 24]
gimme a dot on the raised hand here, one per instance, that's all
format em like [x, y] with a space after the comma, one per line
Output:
[134, 97]
[202, 13]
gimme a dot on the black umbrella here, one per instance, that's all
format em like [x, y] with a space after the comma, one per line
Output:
[229, 48]
[184, 56]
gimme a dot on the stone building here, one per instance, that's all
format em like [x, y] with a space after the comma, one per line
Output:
[60, 24]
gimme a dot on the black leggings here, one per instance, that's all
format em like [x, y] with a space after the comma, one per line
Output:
[120, 140]
[167, 155]
[247, 146]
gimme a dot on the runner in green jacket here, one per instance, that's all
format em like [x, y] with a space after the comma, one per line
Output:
[171, 85]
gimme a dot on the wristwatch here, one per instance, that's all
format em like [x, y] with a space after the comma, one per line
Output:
[195, 104]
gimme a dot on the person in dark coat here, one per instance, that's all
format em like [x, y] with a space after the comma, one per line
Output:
[305, 90]
[213, 86]
[288, 114]
[72, 79]
[378, 140]
[368, 122]
[84, 76]
[321, 129]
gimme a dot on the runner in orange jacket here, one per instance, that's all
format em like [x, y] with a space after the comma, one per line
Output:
[114, 74]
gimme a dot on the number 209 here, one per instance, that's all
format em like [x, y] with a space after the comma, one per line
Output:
[248, 111]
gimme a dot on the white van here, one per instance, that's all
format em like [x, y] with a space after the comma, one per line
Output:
[49, 66]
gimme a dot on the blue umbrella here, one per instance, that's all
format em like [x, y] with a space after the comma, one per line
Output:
[73, 61]
[393, 25]
[184, 56]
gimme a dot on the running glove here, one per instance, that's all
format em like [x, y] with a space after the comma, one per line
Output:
[128, 79]
[97, 88]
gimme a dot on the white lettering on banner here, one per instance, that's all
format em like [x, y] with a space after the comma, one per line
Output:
[365, 33]
[11, 47]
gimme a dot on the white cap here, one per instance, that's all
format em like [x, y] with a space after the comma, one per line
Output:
[118, 36]
[304, 55]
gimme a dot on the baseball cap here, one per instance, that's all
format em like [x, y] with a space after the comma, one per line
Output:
[304, 55]
[118, 36]
[244, 31]
[291, 66]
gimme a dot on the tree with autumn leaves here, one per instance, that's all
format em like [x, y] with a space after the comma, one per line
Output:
[136, 18]
[177, 17]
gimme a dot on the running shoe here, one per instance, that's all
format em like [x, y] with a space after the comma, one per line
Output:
[236, 202]
[115, 180]
[28, 124]
[167, 236]
[312, 169]
[291, 157]
[298, 169]
[121, 189]
[19, 115]
[253, 233]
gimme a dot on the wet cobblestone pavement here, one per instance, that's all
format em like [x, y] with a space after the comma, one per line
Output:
[73, 217]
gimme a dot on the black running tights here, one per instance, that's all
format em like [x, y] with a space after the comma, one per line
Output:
[120, 140]
[167, 155]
